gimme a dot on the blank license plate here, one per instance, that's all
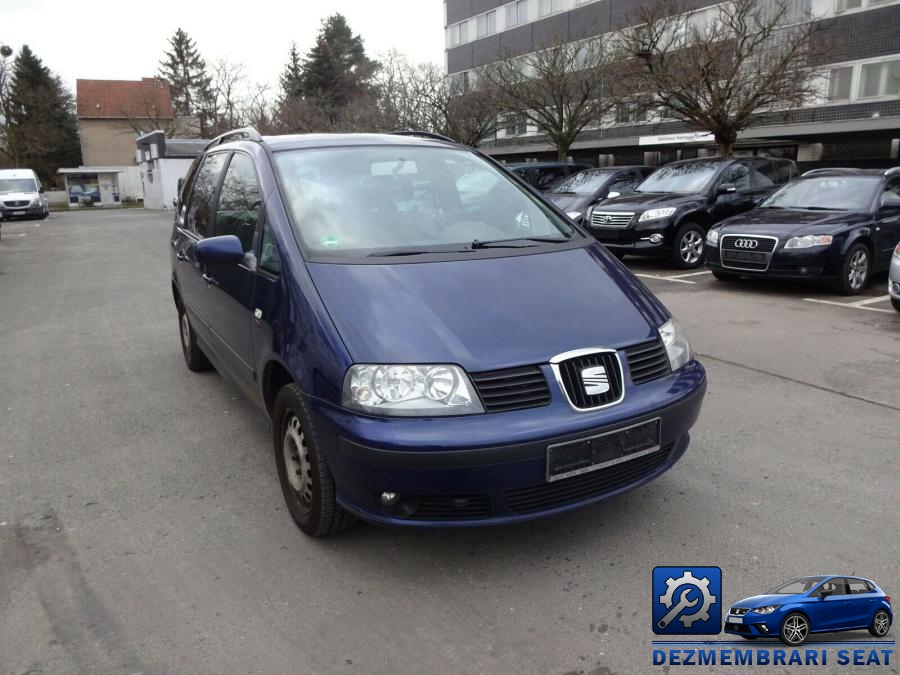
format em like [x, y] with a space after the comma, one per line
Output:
[589, 454]
[18, 213]
[735, 619]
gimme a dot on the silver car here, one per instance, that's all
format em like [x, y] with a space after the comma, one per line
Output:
[894, 279]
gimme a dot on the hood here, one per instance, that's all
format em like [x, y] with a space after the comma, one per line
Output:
[783, 223]
[763, 600]
[568, 202]
[641, 201]
[19, 196]
[486, 313]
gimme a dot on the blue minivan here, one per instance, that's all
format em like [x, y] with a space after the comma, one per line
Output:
[434, 343]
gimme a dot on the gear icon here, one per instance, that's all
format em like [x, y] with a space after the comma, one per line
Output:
[702, 585]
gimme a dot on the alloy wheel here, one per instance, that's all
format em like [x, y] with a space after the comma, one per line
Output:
[296, 461]
[859, 270]
[882, 623]
[691, 247]
[795, 628]
[185, 331]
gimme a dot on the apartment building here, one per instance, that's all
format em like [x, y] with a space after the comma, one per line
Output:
[855, 120]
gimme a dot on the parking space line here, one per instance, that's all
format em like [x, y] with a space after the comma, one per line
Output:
[676, 280]
[689, 274]
[851, 305]
[870, 301]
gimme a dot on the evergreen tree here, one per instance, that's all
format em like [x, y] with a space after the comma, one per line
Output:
[185, 71]
[292, 77]
[337, 71]
[43, 131]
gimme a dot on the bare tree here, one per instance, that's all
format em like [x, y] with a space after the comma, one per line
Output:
[7, 133]
[469, 117]
[561, 88]
[752, 57]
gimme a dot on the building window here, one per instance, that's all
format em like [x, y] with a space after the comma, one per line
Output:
[839, 83]
[630, 113]
[844, 5]
[880, 79]
[514, 125]
[486, 24]
[516, 13]
[550, 6]
[459, 33]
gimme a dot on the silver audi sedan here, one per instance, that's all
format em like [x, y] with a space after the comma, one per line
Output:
[894, 279]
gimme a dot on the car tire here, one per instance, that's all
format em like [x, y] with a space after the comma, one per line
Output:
[896, 303]
[794, 629]
[881, 624]
[855, 270]
[688, 247]
[303, 472]
[194, 358]
[725, 276]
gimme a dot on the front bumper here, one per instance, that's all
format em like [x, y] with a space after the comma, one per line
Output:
[635, 238]
[491, 469]
[894, 278]
[756, 625]
[11, 212]
[794, 264]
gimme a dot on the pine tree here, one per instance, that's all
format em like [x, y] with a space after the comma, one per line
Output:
[185, 71]
[337, 70]
[42, 125]
[292, 77]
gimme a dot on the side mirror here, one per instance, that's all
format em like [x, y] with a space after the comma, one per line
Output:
[825, 594]
[41, 189]
[727, 189]
[224, 250]
[613, 195]
[890, 204]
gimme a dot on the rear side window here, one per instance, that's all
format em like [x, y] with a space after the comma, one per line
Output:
[240, 201]
[771, 172]
[202, 195]
[858, 586]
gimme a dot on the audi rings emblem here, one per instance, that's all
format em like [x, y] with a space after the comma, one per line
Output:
[746, 243]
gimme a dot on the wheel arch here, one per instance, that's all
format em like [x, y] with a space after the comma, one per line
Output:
[275, 376]
[694, 217]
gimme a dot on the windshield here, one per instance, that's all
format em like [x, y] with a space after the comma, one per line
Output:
[834, 193]
[583, 183]
[8, 185]
[402, 200]
[796, 586]
[681, 178]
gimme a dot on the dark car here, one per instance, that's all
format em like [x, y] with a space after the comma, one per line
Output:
[670, 212]
[578, 192]
[833, 225]
[428, 355]
[544, 175]
[820, 604]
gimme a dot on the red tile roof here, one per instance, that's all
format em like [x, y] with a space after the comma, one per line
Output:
[148, 98]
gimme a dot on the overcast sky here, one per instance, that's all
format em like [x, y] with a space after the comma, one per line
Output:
[125, 40]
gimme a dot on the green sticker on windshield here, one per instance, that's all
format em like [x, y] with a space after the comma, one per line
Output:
[330, 241]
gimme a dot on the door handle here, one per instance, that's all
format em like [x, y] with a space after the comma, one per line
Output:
[208, 279]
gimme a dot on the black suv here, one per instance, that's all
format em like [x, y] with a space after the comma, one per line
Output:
[580, 191]
[544, 175]
[834, 225]
[671, 211]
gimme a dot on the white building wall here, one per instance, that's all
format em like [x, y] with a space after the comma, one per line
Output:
[163, 188]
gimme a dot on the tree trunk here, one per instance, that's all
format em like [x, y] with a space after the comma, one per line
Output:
[726, 139]
[562, 151]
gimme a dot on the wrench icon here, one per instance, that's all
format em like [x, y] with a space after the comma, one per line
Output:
[680, 605]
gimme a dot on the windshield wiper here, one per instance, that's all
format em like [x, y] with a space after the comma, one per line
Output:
[511, 243]
[563, 192]
[820, 208]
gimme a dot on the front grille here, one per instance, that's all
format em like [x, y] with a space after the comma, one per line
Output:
[737, 627]
[647, 361]
[585, 486]
[738, 611]
[451, 507]
[747, 252]
[512, 389]
[604, 385]
[16, 203]
[611, 219]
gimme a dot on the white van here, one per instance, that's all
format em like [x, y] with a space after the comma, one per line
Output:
[21, 195]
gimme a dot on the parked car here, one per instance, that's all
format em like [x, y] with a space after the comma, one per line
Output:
[820, 604]
[21, 195]
[577, 193]
[544, 175]
[894, 279]
[671, 211]
[428, 355]
[832, 225]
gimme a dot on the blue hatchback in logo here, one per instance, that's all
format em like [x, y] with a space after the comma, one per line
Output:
[687, 600]
[820, 604]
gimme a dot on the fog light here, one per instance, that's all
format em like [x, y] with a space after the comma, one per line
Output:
[656, 238]
[804, 270]
[390, 498]
[763, 627]
[896, 287]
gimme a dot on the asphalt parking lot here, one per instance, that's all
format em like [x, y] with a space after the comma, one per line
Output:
[142, 527]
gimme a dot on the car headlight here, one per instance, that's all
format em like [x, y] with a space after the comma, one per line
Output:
[656, 214]
[897, 252]
[768, 609]
[574, 215]
[408, 391]
[809, 240]
[712, 238]
[677, 346]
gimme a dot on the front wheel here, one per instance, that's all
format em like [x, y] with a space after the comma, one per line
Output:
[303, 472]
[881, 624]
[194, 358]
[688, 247]
[854, 274]
[794, 630]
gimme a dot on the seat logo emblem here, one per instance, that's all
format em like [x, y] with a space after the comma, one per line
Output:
[596, 380]
[746, 243]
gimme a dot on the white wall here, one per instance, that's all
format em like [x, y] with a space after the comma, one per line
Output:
[159, 193]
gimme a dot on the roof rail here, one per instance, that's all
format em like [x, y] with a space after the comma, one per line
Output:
[423, 134]
[831, 171]
[892, 171]
[245, 134]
